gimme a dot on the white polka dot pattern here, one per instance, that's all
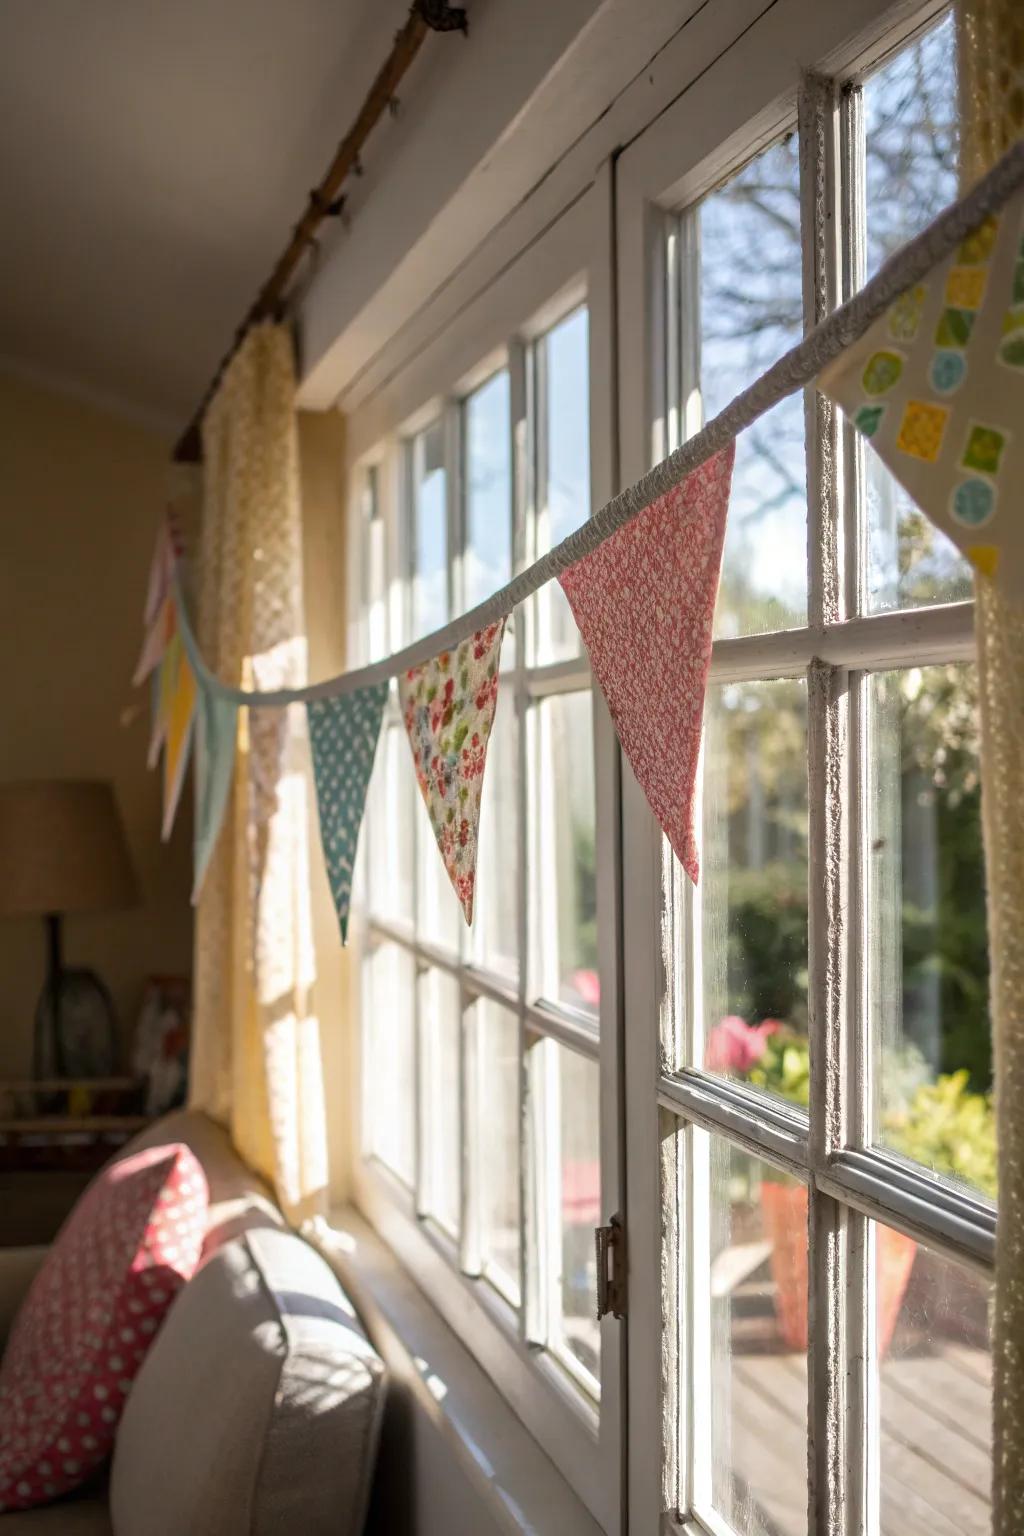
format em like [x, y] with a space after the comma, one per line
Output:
[131, 1242]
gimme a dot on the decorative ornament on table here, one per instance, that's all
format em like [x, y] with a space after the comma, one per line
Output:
[644, 601]
[343, 734]
[448, 707]
[937, 387]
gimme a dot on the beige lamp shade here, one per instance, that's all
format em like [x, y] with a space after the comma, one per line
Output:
[62, 849]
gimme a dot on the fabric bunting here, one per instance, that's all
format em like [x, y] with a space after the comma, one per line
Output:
[181, 708]
[937, 387]
[343, 736]
[216, 735]
[448, 707]
[161, 573]
[644, 602]
[157, 637]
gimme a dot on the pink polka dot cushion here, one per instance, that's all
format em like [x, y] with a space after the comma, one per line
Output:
[128, 1246]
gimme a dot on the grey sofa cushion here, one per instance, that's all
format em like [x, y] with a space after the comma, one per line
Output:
[257, 1410]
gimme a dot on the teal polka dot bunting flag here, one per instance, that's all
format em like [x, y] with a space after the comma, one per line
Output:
[343, 735]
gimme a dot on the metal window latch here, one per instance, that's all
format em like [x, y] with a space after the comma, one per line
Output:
[611, 1268]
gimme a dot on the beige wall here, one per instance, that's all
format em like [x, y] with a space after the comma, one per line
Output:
[80, 493]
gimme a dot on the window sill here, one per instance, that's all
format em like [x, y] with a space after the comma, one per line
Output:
[505, 1464]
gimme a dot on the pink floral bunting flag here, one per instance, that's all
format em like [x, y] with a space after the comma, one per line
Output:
[644, 601]
[448, 707]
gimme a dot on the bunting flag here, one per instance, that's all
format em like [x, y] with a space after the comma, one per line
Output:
[157, 637]
[644, 601]
[448, 707]
[180, 715]
[937, 387]
[164, 679]
[216, 735]
[161, 572]
[343, 734]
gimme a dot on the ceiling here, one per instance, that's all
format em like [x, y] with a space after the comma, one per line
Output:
[153, 158]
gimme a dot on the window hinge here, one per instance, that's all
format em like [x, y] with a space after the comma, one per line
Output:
[611, 1268]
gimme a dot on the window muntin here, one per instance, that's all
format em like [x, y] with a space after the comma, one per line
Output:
[511, 1181]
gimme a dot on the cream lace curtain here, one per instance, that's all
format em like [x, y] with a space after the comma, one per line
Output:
[256, 1047]
[990, 36]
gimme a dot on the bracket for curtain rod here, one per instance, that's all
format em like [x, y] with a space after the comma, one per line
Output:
[327, 200]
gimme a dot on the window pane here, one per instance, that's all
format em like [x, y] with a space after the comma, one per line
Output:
[498, 1131]
[388, 993]
[487, 429]
[576, 1330]
[374, 556]
[440, 1028]
[928, 952]
[439, 917]
[494, 936]
[751, 311]
[754, 884]
[429, 492]
[934, 1389]
[390, 825]
[752, 1347]
[563, 468]
[563, 877]
[911, 145]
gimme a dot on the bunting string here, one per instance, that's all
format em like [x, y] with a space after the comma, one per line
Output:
[796, 368]
[928, 361]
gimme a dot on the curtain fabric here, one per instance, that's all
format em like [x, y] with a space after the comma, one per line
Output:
[256, 1047]
[990, 38]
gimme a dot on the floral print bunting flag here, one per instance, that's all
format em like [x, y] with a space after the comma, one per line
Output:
[448, 707]
[936, 385]
[644, 601]
[343, 736]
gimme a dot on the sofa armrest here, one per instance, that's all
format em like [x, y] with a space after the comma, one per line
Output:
[18, 1268]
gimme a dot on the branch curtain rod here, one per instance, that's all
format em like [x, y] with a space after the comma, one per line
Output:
[794, 370]
[424, 16]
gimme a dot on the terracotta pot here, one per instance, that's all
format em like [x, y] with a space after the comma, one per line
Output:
[784, 1207]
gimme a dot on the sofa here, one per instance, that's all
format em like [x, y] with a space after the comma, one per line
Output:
[257, 1410]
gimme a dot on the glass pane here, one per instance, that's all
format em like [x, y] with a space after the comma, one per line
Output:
[928, 951]
[375, 593]
[753, 894]
[911, 146]
[933, 1399]
[751, 311]
[439, 917]
[498, 1106]
[429, 489]
[564, 877]
[390, 812]
[563, 469]
[754, 1353]
[576, 1330]
[494, 936]
[440, 1028]
[388, 1014]
[487, 430]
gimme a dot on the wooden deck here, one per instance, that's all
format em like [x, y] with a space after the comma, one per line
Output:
[935, 1455]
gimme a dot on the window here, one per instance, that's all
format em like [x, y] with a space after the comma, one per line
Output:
[482, 1047]
[788, 1067]
[820, 1039]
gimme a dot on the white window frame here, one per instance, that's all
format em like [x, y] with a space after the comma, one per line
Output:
[750, 95]
[564, 262]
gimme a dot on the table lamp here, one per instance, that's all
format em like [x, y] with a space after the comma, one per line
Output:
[63, 850]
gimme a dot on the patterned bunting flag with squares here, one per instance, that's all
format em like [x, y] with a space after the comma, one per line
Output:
[343, 736]
[448, 707]
[936, 385]
[644, 601]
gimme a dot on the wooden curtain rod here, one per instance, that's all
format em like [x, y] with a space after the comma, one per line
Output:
[324, 202]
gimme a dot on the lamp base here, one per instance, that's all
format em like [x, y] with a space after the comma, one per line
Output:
[76, 1038]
